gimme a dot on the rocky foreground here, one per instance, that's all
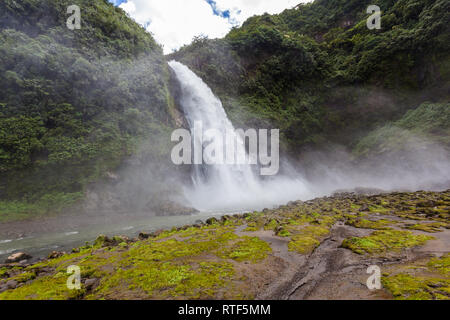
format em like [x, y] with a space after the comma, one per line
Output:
[319, 249]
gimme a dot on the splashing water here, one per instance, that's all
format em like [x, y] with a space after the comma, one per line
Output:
[224, 186]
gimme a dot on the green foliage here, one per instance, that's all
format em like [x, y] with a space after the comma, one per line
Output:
[320, 75]
[429, 123]
[48, 203]
[73, 103]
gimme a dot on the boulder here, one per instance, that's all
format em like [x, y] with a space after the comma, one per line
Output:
[91, 283]
[211, 221]
[56, 254]
[16, 257]
[225, 218]
[11, 284]
[143, 236]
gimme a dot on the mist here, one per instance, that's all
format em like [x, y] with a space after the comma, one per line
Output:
[322, 173]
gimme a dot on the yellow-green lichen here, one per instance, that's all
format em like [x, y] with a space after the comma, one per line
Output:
[44, 288]
[384, 240]
[370, 224]
[428, 227]
[308, 239]
[441, 264]
[248, 249]
[407, 287]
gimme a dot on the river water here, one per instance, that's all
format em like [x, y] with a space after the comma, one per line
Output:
[40, 244]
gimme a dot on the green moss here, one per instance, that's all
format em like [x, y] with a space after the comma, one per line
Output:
[283, 233]
[303, 244]
[171, 267]
[24, 277]
[203, 262]
[252, 227]
[196, 281]
[369, 224]
[65, 260]
[384, 240]
[249, 249]
[3, 272]
[308, 239]
[441, 264]
[428, 227]
[45, 288]
[271, 225]
[407, 287]
[378, 208]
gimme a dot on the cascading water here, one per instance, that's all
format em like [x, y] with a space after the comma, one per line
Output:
[224, 186]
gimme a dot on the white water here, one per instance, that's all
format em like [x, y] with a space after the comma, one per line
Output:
[226, 187]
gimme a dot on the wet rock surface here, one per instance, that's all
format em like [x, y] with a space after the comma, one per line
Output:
[318, 249]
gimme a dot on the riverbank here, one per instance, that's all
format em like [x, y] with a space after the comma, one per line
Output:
[318, 249]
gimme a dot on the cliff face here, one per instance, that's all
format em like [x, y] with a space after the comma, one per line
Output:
[75, 103]
[321, 76]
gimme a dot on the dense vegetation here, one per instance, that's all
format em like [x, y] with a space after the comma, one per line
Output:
[319, 74]
[73, 103]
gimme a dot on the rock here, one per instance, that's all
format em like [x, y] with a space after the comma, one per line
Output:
[198, 222]
[225, 218]
[143, 236]
[91, 283]
[56, 254]
[120, 239]
[363, 208]
[123, 245]
[103, 241]
[101, 250]
[16, 257]
[11, 284]
[3, 288]
[157, 233]
[211, 221]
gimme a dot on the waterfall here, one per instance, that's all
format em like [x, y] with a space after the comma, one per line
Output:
[224, 186]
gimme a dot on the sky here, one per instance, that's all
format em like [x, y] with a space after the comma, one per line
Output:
[175, 23]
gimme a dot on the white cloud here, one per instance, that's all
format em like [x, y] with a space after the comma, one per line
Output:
[175, 22]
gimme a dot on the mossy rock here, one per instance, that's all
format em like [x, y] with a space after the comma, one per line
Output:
[429, 227]
[369, 224]
[248, 249]
[441, 264]
[407, 287]
[384, 240]
[308, 239]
